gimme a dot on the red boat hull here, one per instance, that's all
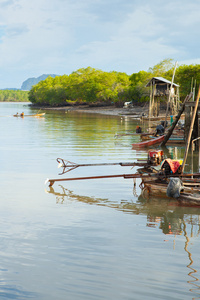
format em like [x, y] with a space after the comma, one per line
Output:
[148, 143]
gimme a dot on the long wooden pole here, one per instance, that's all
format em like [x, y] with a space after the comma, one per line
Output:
[69, 166]
[172, 82]
[181, 110]
[150, 109]
[125, 176]
[191, 129]
[51, 181]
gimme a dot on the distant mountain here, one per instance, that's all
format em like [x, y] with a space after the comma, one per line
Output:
[27, 84]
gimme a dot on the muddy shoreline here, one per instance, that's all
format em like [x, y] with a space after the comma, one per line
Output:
[133, 112]
[137, 111]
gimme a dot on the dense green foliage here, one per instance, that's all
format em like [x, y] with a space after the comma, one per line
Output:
[13, 96]
[188, 77]
[93, 86]
[83, 86]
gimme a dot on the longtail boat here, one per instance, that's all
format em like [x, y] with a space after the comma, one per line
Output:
[170, 183]
[148, 143]
[154, 182]
[35, 115]
[190, 195]
[173, 140]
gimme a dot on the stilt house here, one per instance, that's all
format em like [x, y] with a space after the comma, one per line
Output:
[163, 90]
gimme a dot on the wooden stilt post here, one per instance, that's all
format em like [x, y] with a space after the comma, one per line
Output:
[168, 102]
[191, 129]
[153, 104]
[150, 108]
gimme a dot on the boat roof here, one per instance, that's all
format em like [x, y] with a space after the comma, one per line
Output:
[161, 79]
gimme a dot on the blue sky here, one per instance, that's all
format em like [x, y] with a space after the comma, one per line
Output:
[60, 36]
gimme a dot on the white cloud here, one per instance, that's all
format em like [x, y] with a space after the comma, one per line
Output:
[133, 44]
[59, 36]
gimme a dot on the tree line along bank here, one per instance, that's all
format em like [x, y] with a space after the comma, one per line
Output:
[96, 87]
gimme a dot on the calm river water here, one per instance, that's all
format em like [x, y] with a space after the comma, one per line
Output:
[89, 239]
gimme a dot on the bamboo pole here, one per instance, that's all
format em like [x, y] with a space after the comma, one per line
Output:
[192, 85]
[170, 94]
[153, 99]
[152, 103]
[150, 100]
[181, 110]
[192, 150]
[191, 129]
[51, 181]
[125, 176]
[194, 89]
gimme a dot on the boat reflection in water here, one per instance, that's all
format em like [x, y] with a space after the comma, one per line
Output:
[161, 214]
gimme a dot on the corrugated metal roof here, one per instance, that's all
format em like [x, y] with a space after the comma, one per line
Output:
[162, 80]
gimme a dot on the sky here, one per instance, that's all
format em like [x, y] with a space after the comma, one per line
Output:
[61, 36]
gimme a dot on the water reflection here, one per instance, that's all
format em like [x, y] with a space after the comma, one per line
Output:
[193, 281]
[161, 214]
[66, 195]
[12, 292]
[112, 247]
[165, 214]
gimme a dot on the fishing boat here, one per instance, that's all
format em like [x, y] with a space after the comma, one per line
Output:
[176, 141]
[159, 118]
[169, 182]
[155, 182]
[173, 140]
[35, 115]
[148, 143]
[190, 195]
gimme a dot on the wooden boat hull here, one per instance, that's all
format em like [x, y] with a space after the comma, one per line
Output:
[176, 141]
[159, 118]
[190, 196]
[154, 141]
[171, 141]
[36, 115]
[146, 136]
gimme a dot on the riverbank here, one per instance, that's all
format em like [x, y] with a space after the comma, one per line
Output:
[137, 111]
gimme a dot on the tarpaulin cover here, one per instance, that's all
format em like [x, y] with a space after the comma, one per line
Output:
[174, 164]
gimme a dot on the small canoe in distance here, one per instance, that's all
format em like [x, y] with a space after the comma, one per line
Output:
[154, 141]
[35, 115]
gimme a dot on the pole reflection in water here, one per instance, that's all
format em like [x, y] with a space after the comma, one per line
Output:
[66, 195]
[194, 280]
[169, 218]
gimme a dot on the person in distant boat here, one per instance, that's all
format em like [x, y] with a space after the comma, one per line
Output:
[138, 129]
[22, 114]
[159, 130]
[163, 123]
